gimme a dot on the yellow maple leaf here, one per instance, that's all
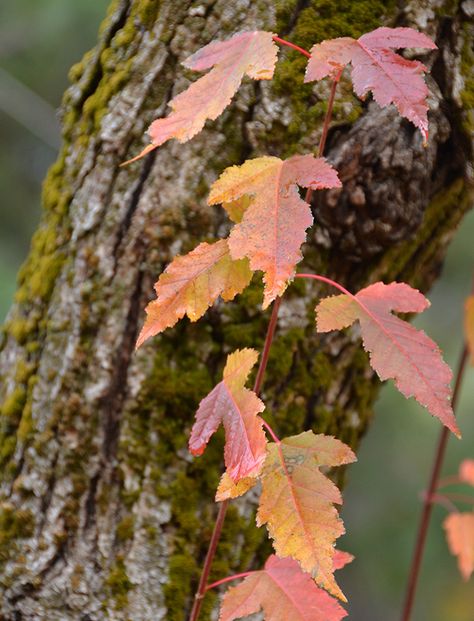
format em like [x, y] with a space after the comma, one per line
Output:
[297, 502]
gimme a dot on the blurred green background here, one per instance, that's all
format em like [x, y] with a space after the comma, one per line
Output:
[39, 41]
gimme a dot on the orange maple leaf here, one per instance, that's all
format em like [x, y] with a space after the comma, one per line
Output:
[284, 592]
[397, 349]
[466, 471]
[297, 502]
[192, 283]
[274, 223]
[227, 489]
[460, 535]
[246, 53]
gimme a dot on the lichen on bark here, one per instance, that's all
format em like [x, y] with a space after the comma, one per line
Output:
[107, 514]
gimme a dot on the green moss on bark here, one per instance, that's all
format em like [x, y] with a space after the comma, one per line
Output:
[118, 584]
[467, 93]
[14, 525]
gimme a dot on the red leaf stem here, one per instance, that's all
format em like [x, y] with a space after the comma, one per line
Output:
[327, 120]
[459, 497]
[328, 281]
[292, 45]
[275, 438]
[244, 574]
[442, 500]
[452, 480]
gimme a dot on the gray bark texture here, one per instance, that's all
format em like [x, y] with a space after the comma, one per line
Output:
[103, 513]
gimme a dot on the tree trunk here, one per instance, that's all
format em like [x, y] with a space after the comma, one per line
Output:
[103, 513]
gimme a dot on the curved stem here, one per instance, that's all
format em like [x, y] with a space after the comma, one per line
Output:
[211, 551]
[459, 497]
[274, 436]
[292, 45]
[267, 346]
[452, 480]
[441, 500]
[328, 281]
[327, 121]
[327, 118]
[216, 533]
[244, 574]
[427, 503]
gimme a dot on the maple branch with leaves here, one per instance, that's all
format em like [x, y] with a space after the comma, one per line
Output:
[298, 502]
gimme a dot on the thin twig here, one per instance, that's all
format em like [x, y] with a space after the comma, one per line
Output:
[451, 480]
[324, 134]
[211, 551]
[201, 591]
[257, 387]
[427, 503]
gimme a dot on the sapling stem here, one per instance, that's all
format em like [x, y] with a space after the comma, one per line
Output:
[428, 502]
[324, 134]
[257, 387]
[211, 551]
[202, 587]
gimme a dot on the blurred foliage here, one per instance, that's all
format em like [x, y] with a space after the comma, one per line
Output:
[39, 41]
[383, 496]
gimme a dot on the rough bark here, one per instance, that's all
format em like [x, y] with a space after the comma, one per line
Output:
[103, 513]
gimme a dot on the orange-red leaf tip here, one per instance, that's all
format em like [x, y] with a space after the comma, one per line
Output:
[142, 337]
[459, 529]
[145, 151]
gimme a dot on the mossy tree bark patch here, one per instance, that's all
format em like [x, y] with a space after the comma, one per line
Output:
[103, 513]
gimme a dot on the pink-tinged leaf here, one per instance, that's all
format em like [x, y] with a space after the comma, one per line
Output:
[246, 53]
[466, 471]
[274, 223]
[297, 503]
[192, 283]
[460, 535]
[341, 559]
[237, 408]
[227, 489]
[469, 326]
[377, 68]
[397, 350]
[284, 592]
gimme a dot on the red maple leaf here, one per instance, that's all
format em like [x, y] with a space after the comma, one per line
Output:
[237, 409]
[377, 68]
